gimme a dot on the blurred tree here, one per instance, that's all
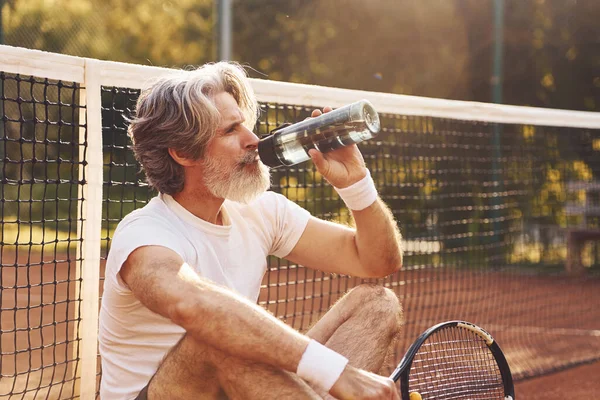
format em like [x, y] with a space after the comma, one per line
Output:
[397, 47]
[58, 26]
[427, 48]
[553, 54]
[156, 32]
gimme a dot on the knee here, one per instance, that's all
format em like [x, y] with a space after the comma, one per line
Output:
[381, 303]
[368, 293]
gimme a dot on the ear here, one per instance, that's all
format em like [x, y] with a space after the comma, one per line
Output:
[180, 158]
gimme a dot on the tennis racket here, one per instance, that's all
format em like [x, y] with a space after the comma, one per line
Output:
[454, 360]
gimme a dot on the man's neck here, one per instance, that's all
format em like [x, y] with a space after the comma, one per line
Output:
[203, 205]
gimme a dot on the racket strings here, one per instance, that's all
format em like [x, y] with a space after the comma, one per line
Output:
[455, 363]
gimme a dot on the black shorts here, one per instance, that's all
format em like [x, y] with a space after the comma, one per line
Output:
[143, 394]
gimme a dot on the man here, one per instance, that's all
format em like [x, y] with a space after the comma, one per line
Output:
[179, 318]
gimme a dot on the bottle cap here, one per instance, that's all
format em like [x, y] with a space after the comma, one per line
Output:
[371, 117]
[267, 153]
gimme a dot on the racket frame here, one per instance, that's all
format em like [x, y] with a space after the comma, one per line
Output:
[401, 372]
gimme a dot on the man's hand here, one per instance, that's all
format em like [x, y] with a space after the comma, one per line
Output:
[358, 384]
[342, 167]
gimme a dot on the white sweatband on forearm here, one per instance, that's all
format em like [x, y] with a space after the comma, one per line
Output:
[321, 366]
[359, 195]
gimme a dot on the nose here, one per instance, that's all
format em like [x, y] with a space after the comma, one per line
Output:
[250, 140]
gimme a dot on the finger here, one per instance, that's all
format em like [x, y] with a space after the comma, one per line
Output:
[316, 113]
[318, 159]
[327, 109]
[395, 394]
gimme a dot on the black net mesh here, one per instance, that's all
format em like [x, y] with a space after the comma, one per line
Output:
[485, 211]
[40, 149]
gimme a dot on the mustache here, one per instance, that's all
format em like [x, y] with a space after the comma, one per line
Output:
[249, 157]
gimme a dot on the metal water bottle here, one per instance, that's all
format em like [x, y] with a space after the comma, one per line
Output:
[289, 145]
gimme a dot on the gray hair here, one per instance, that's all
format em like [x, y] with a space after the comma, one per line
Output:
[178, 112]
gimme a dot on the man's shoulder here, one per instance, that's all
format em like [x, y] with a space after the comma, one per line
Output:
[154, 213]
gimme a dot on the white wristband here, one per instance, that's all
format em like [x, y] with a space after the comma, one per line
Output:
[359, 195]
[321, 366]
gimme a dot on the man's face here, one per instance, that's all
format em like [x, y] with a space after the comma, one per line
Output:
[231, 168]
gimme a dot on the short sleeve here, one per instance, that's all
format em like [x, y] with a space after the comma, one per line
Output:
[135, 233]
[288, 220]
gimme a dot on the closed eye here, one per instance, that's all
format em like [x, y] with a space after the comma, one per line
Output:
[233, 126]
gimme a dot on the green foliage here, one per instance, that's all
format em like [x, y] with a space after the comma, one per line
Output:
[156, 32]
[448, 185]
[438, 49]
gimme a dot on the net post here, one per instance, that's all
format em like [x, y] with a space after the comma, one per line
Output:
[224, 42]
[90, 212]
[1, 26]
[497, 174]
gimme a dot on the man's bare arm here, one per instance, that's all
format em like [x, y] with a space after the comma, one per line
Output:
[217, 316]
[373, 249]
[378, 239]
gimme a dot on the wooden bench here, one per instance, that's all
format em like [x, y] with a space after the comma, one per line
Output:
[577, 236]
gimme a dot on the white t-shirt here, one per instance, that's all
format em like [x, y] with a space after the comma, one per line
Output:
[133, 339]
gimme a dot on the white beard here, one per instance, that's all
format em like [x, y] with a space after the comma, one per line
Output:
[248, 179]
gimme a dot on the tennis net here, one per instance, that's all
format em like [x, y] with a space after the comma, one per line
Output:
[485, 196]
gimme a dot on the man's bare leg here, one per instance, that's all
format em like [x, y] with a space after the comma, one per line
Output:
[193, 370]
[361, 326]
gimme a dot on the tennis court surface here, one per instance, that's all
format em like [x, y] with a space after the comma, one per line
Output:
[485, 196]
